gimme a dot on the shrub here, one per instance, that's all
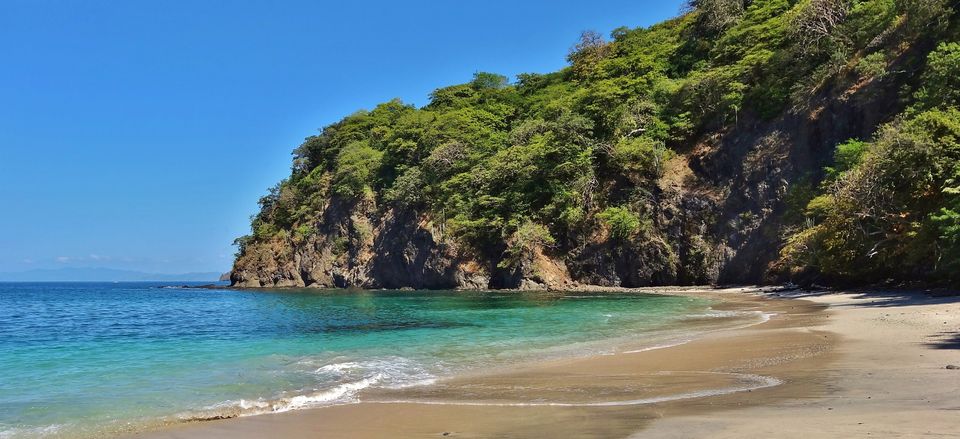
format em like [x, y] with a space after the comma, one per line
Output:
[813, 26]
[529, 237]
[640, 156]
[407, 189]
[845, 157]
[873, 65]
[303, 231]
[621, 221]
[941, 79]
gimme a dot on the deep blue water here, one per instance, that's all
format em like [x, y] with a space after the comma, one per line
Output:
[91, 358]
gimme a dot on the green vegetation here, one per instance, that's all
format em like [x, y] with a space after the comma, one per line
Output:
[894, 212]
[622, 223]
[525, 241]
[355, 167]
[889, 208]
[549, 159]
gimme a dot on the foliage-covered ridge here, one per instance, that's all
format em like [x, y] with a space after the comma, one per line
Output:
[712, 147]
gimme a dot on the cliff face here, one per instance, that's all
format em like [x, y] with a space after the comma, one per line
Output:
[358, 247]
[686, 153]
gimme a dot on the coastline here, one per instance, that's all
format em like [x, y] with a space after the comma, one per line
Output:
[824, 351]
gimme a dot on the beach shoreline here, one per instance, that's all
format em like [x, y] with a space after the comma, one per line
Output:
[813, 350]
[893, 375]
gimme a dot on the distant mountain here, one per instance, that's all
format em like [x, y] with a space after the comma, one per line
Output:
[102, 274]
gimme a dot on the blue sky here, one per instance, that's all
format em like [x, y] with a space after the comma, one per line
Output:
[140, 134]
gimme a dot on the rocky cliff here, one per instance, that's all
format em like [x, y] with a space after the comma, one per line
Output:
[719, 217]
[749, 113]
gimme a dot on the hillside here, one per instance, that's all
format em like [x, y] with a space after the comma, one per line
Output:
[744, 141]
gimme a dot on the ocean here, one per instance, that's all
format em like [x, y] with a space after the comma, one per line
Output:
[97, 359]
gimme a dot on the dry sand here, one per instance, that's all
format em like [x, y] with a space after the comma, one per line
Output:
[847, 365]
[889, 379]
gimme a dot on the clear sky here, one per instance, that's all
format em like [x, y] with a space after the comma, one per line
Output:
[140, 134]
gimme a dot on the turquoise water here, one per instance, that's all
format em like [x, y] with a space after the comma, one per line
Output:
[86, 359]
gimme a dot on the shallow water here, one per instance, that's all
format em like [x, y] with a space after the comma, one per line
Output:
[85, 359]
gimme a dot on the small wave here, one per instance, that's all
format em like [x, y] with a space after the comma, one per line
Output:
[32, 432]
[393, 371]
[659, 346]
[763, 317]
[423, 382]
[766, 316]
[389, 326]
[720, 314]
[758, 382]
[726, 314]
[338, 367]
[341, 394]
[346, 390]
[349, 377]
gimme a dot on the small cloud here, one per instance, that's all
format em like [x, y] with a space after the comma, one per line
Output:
[97, 257]
[64, 259]
[28, 261]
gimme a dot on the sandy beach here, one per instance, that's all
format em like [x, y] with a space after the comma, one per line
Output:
[888, 377]
[825, 365]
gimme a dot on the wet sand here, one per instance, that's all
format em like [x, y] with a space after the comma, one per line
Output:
[804, 373]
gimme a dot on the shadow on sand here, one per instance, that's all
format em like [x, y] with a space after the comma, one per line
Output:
[880, 298]
[944, 340]
[893, 299]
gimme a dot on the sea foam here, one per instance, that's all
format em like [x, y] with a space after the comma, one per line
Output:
[347, 377]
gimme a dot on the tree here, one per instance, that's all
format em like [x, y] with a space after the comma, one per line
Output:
[928, 17]
[715, 16]
[489, 81]
[407, 189]
[816, 21]
[941, 78]
[640, 157]
[357, 163]
[587, 53]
